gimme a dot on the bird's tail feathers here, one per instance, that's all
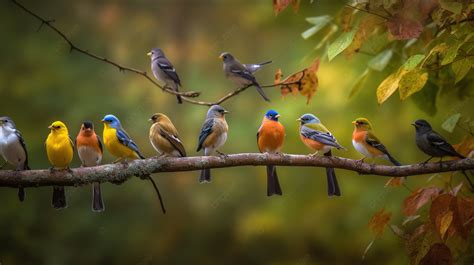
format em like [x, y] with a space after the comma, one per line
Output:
[273, 185]
[205, 176]
[97, 202]
[264, 63]
[59, 197]
[333, 186]
[21, 194]
[260, 91]
[393, 160]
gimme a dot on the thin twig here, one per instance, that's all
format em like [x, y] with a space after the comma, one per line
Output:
[367, 11]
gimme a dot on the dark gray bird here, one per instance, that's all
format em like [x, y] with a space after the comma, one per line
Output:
[242, 74]
[213, 135]
[13, 148]
[164, 71]
[431, 143]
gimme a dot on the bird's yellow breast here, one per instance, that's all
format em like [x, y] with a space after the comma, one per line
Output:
[59, 150]
[116, 148]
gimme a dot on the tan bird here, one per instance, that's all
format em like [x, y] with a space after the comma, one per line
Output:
[164, 136]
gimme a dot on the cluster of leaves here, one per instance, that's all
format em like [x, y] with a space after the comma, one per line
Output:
[424, 45]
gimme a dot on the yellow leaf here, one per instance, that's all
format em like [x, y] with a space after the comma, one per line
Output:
[412, 82]
[445, 223]
[378, 222]
[389, 86]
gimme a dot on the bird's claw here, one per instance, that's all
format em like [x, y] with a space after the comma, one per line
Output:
[222, 154]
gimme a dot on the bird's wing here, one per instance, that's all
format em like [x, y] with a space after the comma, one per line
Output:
[206, 130]
[71, 142]
[174, 141]
[124, 139]
[252, 68]
[23, 145]
[258, 136]
[372, 140]
[439, 142]
[100, 144]
[320, 136]
[168, 68]
[239, 69]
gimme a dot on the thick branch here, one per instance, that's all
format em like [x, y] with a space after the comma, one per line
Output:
[118, 173]
[186, 96]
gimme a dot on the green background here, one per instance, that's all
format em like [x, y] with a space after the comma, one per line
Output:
[230, 221]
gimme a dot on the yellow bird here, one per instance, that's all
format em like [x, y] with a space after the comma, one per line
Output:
[60, 149]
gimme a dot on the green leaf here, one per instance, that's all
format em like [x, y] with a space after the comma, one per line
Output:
[451, 53]
[318, 22]
[359, 82]
[426, 98]
[412, 82]
[451, 122]
[461, 68]
[341, 43]
[389, 86]
[454, 7]
[379, 62]
[413, 62]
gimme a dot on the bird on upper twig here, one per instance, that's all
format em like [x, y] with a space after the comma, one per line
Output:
[242, 74]
[164, 71]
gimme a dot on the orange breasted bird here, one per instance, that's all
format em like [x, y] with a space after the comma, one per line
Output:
[366, 143]
[213, 135]
[60, 150]
[89, 149]
[164, 137]
[270, 137]
[318, 138]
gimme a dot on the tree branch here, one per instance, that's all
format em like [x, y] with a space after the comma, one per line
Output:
[118, 173]
[186, 96]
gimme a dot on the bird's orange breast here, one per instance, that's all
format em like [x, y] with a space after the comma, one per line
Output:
[315, 145]
[90, 141]
[271, 136]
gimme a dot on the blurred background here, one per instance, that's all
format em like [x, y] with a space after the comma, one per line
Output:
[230, 221]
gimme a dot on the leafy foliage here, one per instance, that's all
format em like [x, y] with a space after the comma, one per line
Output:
[305, 81]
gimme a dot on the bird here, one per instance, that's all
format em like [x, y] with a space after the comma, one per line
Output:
[242, 74]
[270, 137]
[90, 151]
[366, 143]
[164, 137]
[432, 143]
[164, 71]
[318, 138]
[60, 150]
[213, 135]
[13, 148]
[120, 145]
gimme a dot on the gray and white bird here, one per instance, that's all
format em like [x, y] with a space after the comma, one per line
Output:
[164, 71]
[213, 135]
[242, 74]
[13, 148]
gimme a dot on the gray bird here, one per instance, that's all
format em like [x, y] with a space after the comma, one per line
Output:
[242, 74]
[431, 143]
[13, 148]
[164, 71]
[213, 135]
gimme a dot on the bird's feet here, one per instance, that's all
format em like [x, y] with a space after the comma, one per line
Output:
[313, 154]
[52, 170]
[69, 170]
[222, 154]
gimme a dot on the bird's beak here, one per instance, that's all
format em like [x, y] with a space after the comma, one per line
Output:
[354, 122]
[1, 122]
[226, 112]
[277, 116]
[150, 119]
[102, 120]
[220, 57]
[149, 54]
[414, 124]
[299, 119]
[50, 127]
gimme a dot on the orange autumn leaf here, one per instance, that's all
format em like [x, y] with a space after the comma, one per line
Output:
[378, 222]
[395, 182]
[417, 199]
[280, 5]
[305, 82]
[466, 146]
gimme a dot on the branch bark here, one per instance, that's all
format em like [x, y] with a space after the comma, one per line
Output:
[186, 96]
[119, 173]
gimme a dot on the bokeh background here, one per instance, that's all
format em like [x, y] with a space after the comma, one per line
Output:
[230, 221]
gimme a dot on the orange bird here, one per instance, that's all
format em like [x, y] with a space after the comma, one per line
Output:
[89, 149]
[270, 138]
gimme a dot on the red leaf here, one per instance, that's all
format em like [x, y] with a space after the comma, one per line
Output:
[403, 28]
[439, 254]
[378, 222]
[417, 199]
[280, 5]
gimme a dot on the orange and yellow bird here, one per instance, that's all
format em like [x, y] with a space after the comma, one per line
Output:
[318, 138]
[89, 149]
[366, 143]
[164, 137]
[60, 149]
[270, 137]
